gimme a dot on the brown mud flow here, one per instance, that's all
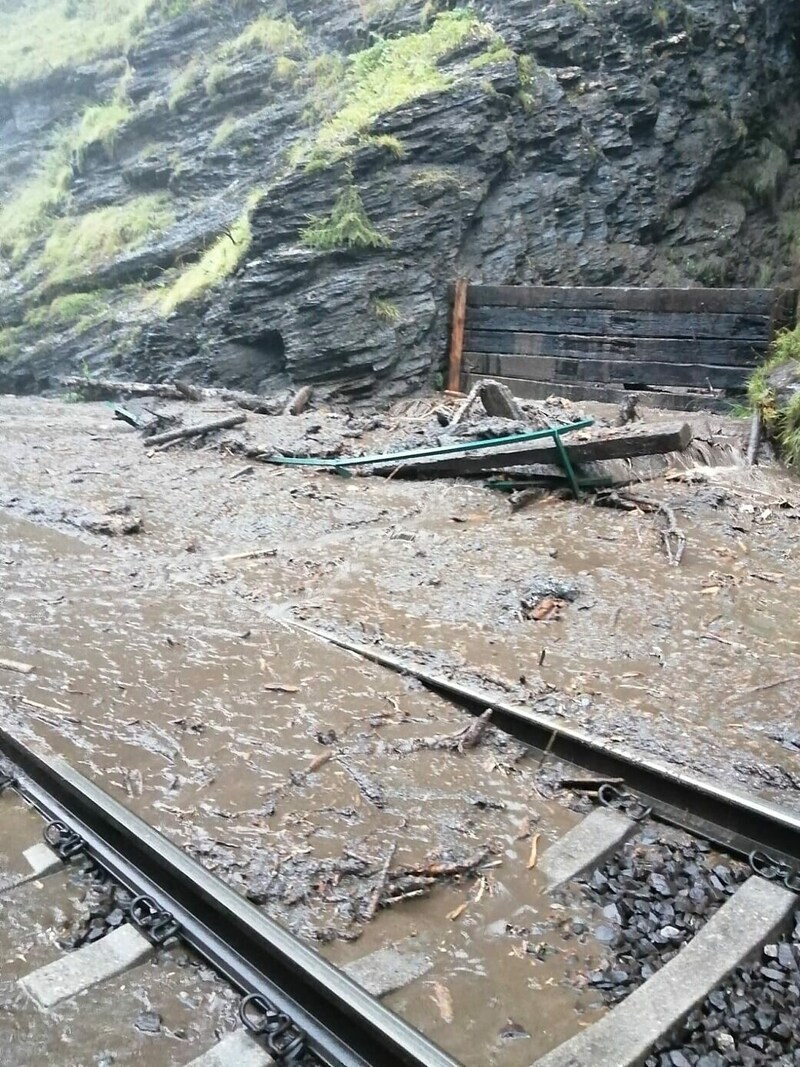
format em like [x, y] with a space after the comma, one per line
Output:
[171, 674]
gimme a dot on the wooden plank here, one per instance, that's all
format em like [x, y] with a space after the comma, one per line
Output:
[716, 301]
[622, 323]
[623, 443]
[457, 333]
[608, 394]
[661, 350]
[601, 371]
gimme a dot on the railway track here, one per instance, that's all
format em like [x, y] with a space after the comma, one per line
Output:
[296, 1008]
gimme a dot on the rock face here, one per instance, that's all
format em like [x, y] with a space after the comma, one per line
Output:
[301, 198]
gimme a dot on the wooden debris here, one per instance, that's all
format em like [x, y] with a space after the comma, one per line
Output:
[596, 445]
[380, 887]
[755, 438]
[534, 856]
[627, 411]
[196, 431]
[443, 1001]
[497, 400]
[673, 537]
[254, 553]
[319, 761]
[300, 401]
[457, 335]
[16, 665]
[444, 868]
[113, 389]
[457, 912]
[467, 737]
[280, 687]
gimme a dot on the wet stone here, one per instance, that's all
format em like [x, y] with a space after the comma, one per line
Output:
[753, 1020]
[148, 1022]
[655, 893]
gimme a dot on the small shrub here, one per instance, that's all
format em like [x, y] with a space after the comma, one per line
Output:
[9, 343]
[99, 125]
[388, 142]
[347, 226]
[215, 79]
[782, 423]
[224, 131]
[75, 309]
[183, 83]
[386, 311]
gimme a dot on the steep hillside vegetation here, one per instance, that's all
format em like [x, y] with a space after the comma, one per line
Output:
[265, 194]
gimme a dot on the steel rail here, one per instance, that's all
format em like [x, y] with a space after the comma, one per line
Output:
[738, 823]
[344, 1025]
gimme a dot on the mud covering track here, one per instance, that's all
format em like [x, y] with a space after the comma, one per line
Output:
[173, 675]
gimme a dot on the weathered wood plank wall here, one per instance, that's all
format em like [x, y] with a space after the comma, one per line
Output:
[675, 348]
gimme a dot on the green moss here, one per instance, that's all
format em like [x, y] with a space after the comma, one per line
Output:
[79, 245]
[497, 52]
[80, 310]
[25, 216]
[286, 70]
[216, 263]
[388, 142]
[224, 131]
[279, 36]
[437, 179]
[100, 125]
[10, 343]
[183, 83]
[782, 423]
[40, 36]
[661, 16]
[763, 176]
[216, 77]
[347, 226]
[389, 74]
[386, 311]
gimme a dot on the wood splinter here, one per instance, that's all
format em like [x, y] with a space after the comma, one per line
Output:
[195, 431]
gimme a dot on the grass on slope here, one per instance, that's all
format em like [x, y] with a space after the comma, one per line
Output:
[43, 35]
[783, 423]
[218, 261]
[78, 245]
[392, 72]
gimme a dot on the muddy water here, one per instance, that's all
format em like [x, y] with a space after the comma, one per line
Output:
[152, 654]
[162, 698]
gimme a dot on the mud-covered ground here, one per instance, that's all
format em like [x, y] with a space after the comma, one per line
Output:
[172, 673]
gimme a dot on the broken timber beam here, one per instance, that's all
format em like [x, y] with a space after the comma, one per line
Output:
[621, 443]
[195, 431]
[457, 334]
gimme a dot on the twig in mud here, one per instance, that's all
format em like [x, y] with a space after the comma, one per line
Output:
[534, 856]
[443, 868]
[16, 665]
[755, 439]
[380, 887]
[763, 688]
[467, 737]
[672, 532]
[366, 786]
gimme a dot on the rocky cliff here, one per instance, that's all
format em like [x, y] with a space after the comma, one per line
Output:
[271, 194]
